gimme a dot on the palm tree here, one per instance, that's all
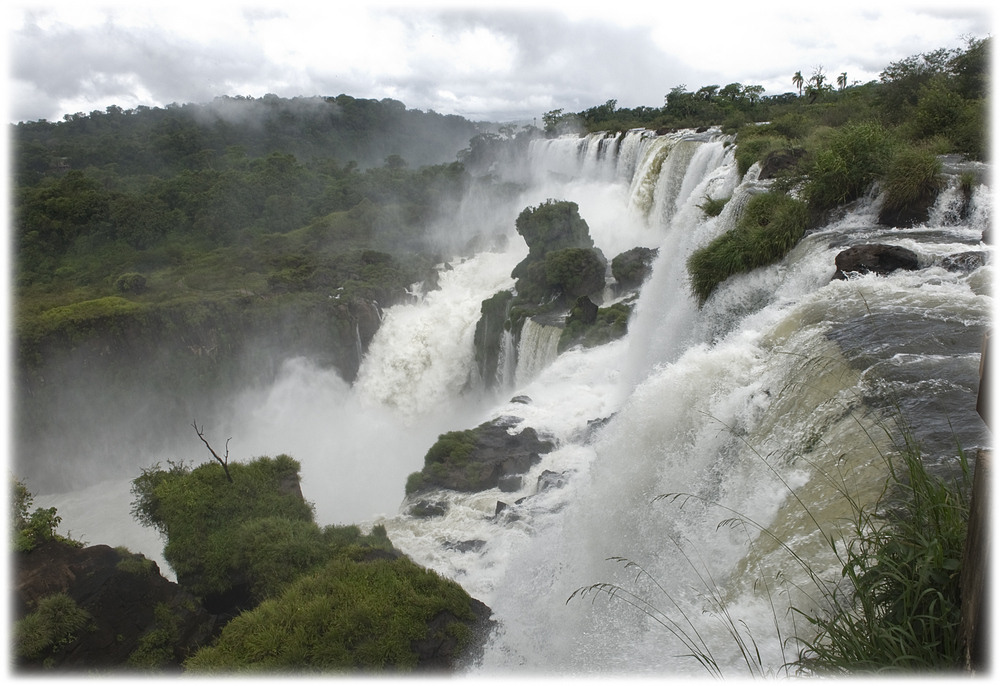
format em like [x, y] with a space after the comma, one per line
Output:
[842, 80]
[797, 81]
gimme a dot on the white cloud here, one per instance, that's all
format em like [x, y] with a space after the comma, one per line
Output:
[498, 62]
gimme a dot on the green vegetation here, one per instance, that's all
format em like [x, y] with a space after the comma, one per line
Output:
[902, 608]
[346, 616]
[575, 271]
[133, 563]
[853, 158]
[56, 622]
[29, 529]
[449, 453]
[770, 226]
[712, 207]
[313, 599]
[609, 324]
[156, 646]
[913, 176]
[256, 534]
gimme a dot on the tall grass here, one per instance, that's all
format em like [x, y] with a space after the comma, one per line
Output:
[895, 607]
[771, 225]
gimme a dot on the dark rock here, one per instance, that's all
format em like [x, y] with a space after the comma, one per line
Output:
[911, 214]
[780, 160]
[521, 399]
[508, 421]
[510, 483]
[472, 546]
[475, 460]
[875, 257]
[964, 261]
[501, 506]
[426, 508]
[587, 310]
[548, 479]
[120, 592]
[632, 267]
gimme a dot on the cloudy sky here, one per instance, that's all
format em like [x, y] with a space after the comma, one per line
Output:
[505, 62]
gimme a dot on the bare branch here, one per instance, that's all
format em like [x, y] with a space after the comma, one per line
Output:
[223, 462]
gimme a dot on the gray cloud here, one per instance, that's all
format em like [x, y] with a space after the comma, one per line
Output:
[545, 60]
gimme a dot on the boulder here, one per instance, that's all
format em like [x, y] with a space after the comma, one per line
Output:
[964, 261]
[549, 479]
[127, 600]
[875, 257]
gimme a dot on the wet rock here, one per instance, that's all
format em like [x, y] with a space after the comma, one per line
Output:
[471, 546]
[549, 479]
[521, 400]
[427, 508]
[875, 257]
[964, 261]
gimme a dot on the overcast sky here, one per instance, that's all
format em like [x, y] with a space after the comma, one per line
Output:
[506, 62]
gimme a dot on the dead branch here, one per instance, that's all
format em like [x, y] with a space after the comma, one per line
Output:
[223, 462]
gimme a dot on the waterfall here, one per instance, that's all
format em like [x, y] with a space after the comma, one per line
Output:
[539, 345]
[779, 384]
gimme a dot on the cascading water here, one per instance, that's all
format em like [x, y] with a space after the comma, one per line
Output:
[763, 391]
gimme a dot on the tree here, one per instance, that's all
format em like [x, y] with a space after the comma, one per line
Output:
[842, 80]
[797, 81]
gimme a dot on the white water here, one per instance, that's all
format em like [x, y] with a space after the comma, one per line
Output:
[756, 394]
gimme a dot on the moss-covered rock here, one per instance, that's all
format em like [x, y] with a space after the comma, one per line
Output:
[476, 459]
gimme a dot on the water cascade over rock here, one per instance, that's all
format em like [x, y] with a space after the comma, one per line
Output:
[778, 384]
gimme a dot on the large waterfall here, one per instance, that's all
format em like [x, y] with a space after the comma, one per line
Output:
[778, 386]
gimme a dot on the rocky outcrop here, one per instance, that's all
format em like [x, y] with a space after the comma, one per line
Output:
[875, 257]
[137, 618]
[478, 459]
[632, 267]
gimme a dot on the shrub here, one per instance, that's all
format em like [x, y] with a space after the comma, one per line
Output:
[575, 271]
[854, 157]
[202, 516]
[770, 226]
[29, 530]
[348, 616]
[752, 147]
[57, 622]
[913, 176]
[713, 207]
